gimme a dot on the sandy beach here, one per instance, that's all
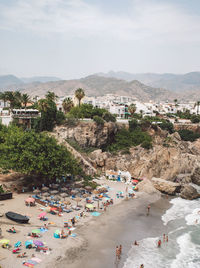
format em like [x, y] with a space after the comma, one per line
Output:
[123, 224]
[72, 247]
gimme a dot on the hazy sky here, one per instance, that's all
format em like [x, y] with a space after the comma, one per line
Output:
[75, 38]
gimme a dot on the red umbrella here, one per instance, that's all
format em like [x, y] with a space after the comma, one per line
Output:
[42, 215]
[135, 181]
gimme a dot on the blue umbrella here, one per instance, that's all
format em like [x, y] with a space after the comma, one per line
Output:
[28, 242]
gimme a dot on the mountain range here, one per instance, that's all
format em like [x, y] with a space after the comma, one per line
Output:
[7, 81]
[169, 81]
[143, 87]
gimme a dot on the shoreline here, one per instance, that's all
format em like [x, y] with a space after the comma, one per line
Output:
[100, 237]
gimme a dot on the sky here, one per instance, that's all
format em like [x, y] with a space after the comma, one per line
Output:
[75, 38]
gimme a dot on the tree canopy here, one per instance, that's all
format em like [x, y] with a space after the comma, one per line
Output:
[34, 154]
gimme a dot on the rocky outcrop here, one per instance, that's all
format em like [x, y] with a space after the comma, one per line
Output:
[146, 186]
[196, 176]
[166, 187]
[88, 134]
[189, 192]
[193, 127]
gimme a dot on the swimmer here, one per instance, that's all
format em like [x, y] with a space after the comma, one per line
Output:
[136, 243]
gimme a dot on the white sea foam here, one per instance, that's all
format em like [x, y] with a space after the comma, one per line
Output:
[188, 257]
[180, 209]
[147, 253]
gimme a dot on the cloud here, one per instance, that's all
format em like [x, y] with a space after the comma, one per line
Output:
[146, 20]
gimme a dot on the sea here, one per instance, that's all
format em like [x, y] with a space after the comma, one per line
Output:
[182, 225]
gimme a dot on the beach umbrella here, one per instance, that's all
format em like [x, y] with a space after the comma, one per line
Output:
[38, 243]
[37, 191]
[30, 200]
[88, 188]
[63, 195]
[67, 202]
[54, 192]
[44, 189]
[56, 198]
[55, 186]
[45, 194]
[77, 200]
[86, 195]
[42, 215]
[89, 206]
[135, 181]
[4, 241]
[35, 231]
[28, 242]
[64, 189]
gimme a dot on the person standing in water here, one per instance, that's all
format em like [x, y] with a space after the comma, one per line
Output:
[148, 209]
[163, 238]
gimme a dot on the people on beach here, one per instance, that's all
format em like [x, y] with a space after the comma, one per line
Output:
[142, 266]
[136, 243]
[120, 250]
[159, 243]
[148, 209]
[117, 253]
[164, 238]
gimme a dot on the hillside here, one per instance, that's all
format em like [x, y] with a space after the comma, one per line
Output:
[99, 86]
[9, 80]
[172, 82]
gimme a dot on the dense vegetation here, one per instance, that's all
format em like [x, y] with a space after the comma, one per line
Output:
[34, 153]
[135, 135]
[188, 135]
[89, 111]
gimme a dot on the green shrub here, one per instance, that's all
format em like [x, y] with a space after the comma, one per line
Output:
[98, 120]
[71, 121]
[146, 144]
[60, 118]
[108, 117]
[188, 135]
[165, 125]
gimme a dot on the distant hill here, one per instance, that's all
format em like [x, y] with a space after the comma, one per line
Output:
[98, 86]
[173, 82]
[41, 79]
[9, 80]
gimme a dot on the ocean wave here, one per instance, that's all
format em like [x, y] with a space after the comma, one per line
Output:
[188, 257]
[180, 209]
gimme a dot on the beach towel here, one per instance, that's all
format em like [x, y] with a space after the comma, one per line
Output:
[96, 214]
[32, 262]
[36, 260]
[73, 235]
[28, 264]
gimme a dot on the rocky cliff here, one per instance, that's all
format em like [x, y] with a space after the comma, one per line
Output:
[170, 158]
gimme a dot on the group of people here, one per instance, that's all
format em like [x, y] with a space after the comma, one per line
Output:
[118, 252]
[165, 239]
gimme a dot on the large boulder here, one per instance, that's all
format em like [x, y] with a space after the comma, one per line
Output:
[196, 176]
[166, 187]
[189, 192]
[146, 186]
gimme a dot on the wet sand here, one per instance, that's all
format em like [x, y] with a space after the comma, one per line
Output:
[122, 224]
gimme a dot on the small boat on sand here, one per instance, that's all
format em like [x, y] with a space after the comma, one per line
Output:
[17, 217]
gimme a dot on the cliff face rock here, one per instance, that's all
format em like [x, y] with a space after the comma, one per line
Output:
[192, 127]
[147, 187]
[166, 187]
[189, 192]
[88, 134]
[196, 176]
[168, 163]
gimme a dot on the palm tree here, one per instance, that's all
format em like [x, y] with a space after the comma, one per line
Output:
[132, 109]
[3, 97]
[197, 104]
[10, 96]
[176, 102]
[67, 104]
[25, 99]
[79, 93]
[43, 105]
[51, 96]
